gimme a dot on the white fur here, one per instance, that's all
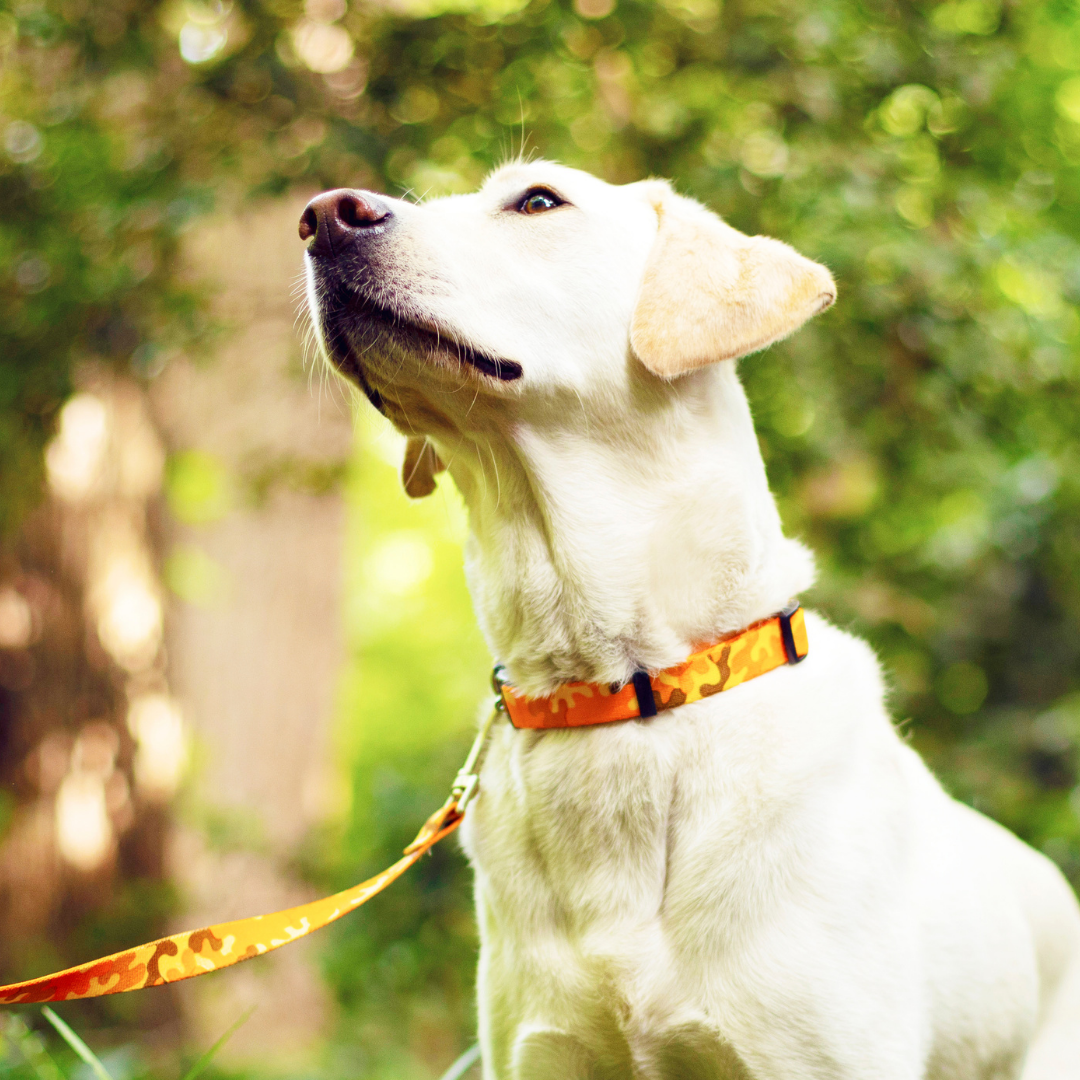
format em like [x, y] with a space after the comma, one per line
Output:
[764, 884]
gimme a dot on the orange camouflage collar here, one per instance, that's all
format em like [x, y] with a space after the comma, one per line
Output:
[737, 658]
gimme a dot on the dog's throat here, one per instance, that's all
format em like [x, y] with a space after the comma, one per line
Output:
[763, 647]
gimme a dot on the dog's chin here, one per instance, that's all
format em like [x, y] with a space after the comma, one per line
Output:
[356, 326]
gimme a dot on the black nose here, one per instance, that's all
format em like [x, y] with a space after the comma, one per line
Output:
[337, 218]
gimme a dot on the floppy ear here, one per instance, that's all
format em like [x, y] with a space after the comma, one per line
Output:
[419, 468]
[711, 293]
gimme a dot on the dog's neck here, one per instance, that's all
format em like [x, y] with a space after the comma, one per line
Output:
[602, 540]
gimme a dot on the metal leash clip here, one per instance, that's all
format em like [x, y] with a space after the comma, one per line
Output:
[467, 780]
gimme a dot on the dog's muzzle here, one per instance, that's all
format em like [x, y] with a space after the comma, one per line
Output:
[346, 231]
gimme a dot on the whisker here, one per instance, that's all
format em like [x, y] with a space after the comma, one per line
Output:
[498, 482]
[483, 472]
[476, 394]
[584, 414]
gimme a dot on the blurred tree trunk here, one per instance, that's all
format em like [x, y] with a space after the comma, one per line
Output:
[92, 744]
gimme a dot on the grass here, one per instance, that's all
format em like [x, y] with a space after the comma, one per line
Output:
[77, 1044]
[25, 1054]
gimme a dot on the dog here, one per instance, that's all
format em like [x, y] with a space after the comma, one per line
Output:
[765, 883]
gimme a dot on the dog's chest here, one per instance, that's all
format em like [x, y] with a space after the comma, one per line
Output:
[601, 894]
[612, 823]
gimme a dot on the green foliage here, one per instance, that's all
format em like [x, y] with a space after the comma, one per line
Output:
[23, 1051]
[93, 194]
[198, 488]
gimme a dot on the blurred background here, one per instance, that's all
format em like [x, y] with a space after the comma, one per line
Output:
[238, 667]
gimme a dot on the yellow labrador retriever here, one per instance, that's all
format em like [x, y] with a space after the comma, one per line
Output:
[764, 883]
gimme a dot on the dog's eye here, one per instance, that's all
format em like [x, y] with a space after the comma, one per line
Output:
[536, 202]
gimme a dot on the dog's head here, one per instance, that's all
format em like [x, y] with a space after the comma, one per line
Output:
[545, 283]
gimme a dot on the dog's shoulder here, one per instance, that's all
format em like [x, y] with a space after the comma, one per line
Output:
[839, 669]
[837, 646]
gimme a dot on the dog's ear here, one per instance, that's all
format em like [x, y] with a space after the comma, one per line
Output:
[712, 293]
[419, 468]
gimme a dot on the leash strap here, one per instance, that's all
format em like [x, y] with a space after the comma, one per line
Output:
[198, 952]
[763, 647]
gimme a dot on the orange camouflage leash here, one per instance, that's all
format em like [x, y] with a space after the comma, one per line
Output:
[737, 658]
[198, 952]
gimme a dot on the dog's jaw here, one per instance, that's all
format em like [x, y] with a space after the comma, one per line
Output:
[357, 327]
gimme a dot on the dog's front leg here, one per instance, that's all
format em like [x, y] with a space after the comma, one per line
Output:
[542, 1053]
[542, 1021]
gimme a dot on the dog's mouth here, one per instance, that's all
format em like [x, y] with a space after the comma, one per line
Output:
[351, 316]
